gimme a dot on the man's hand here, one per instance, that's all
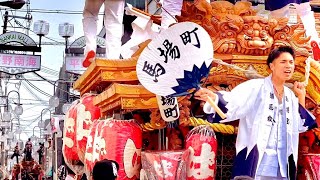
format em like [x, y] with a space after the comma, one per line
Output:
[203, 94]
[300, 91]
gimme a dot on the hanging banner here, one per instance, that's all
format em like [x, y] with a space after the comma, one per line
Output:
[168, 107]
[55, 126]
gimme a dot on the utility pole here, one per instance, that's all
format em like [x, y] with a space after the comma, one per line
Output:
[6, 16]
[5, 22]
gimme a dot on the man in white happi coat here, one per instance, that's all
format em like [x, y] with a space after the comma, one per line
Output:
[113, 18]
[271, 118]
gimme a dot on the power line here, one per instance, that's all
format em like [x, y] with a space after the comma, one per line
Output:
[31, 80]
[56, 86]
[34, 120]
[28, 99]
[36, 88]
[34, 104]
[50, 11]
[28, 29]
[30, 91]
[50, 69]
[19, 24]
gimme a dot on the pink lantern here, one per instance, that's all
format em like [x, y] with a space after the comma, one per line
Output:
[202, 144]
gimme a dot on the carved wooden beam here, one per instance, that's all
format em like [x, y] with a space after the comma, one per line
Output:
[125, 97]
[102, 72]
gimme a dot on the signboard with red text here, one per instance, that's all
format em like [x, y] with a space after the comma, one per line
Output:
[74, 60]
[74, 64]
[19, 64]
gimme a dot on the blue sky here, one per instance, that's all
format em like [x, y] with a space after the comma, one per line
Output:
[51, 56]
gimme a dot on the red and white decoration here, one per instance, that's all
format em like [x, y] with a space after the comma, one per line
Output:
[124, 143]
[54, 123]
[69, 147]
[99, 144]
[89, 148]
[118, 140]
[202, 144]
[164, 165]
[87, 113]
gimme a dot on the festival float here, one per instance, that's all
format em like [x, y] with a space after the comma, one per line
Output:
[122, 120]
[28, 168]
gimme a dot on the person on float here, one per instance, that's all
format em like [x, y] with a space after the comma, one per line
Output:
[144, 29]
[113, 18]
[16, 153]
[271, 117]
[28, 150]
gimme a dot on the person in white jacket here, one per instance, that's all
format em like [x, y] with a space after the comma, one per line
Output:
[271, 118]
[113, 18]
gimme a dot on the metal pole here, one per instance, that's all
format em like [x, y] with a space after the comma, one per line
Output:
[40, 37]
[66, 48]
[56, 155]
[5, 22]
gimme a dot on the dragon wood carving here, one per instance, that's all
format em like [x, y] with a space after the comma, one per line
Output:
[235, 29]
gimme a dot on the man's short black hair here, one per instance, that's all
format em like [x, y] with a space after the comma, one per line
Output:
[103, 170]
[276, 52]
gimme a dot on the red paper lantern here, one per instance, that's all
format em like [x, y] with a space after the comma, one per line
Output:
[92, 149]
[202, 144]
[69, 147]
[87, 113]
[121, 140]
[309, 165]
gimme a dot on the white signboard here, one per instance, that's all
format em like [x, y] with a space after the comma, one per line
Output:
[74, 64]
[169, 108]
[18, 64]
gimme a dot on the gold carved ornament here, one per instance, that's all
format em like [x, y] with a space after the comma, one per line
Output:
[234, 29]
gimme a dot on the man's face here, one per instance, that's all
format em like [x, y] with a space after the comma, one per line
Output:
[283, 66]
